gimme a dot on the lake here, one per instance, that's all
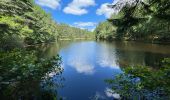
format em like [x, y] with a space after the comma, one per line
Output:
[87, 64]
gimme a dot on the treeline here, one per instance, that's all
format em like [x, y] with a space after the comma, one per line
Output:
[105, 31]
[145, 20]
[23, 22]
[70, 32]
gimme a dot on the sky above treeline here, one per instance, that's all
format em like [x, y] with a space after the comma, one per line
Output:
[85, 14]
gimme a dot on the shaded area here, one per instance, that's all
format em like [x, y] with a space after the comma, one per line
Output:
[24, 76]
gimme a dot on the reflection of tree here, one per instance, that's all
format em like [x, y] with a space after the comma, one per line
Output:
[143, 82]
[130, 53]
[49, 50]
[24, 76]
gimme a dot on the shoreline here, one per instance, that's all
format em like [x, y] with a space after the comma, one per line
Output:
[67, 39]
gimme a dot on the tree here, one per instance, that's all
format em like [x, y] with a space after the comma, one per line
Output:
[105, 31]
[24, 23]
[141, 20]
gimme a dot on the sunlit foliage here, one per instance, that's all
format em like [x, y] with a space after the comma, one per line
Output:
[105, 30]
[22, 22]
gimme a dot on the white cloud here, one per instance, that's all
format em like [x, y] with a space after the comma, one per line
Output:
[121, 3]
[115, 1]
[85, 25]
[78, 7]
[92, 29]
[53, 4]
[105, 10]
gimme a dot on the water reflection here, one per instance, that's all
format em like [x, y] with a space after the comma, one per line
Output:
[110, 93]
[98, 96]
[80, 58]
[26, 77]
[107, 94]
[86, 65]
[136, 53]
[82, 66]
[141, 82]
[107, 56]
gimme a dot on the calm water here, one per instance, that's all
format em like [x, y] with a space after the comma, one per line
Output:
[88, 63]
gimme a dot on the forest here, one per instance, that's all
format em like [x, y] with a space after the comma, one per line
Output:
[44, 57]
[23, 22]
[139, 20]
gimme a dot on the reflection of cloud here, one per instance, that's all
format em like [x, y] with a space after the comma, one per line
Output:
[111, 93]
[78, 56]
[98, 96]
[107, 57]
[82, 66]
[107, 60]
[108, 63]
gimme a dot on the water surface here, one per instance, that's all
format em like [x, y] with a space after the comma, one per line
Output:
[88, 63]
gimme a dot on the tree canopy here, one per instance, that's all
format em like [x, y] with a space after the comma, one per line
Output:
[24, 22]
[141, 20]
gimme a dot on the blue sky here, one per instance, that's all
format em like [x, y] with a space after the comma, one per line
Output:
[85, 14]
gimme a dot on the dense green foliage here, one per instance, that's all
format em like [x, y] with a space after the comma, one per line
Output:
[105, 30]
[141, 20]
[23, 22]
[141, 82]
[25, 76]
[68, 32]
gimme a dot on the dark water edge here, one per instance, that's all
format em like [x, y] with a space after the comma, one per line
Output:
[140, 41]
[86, 65]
